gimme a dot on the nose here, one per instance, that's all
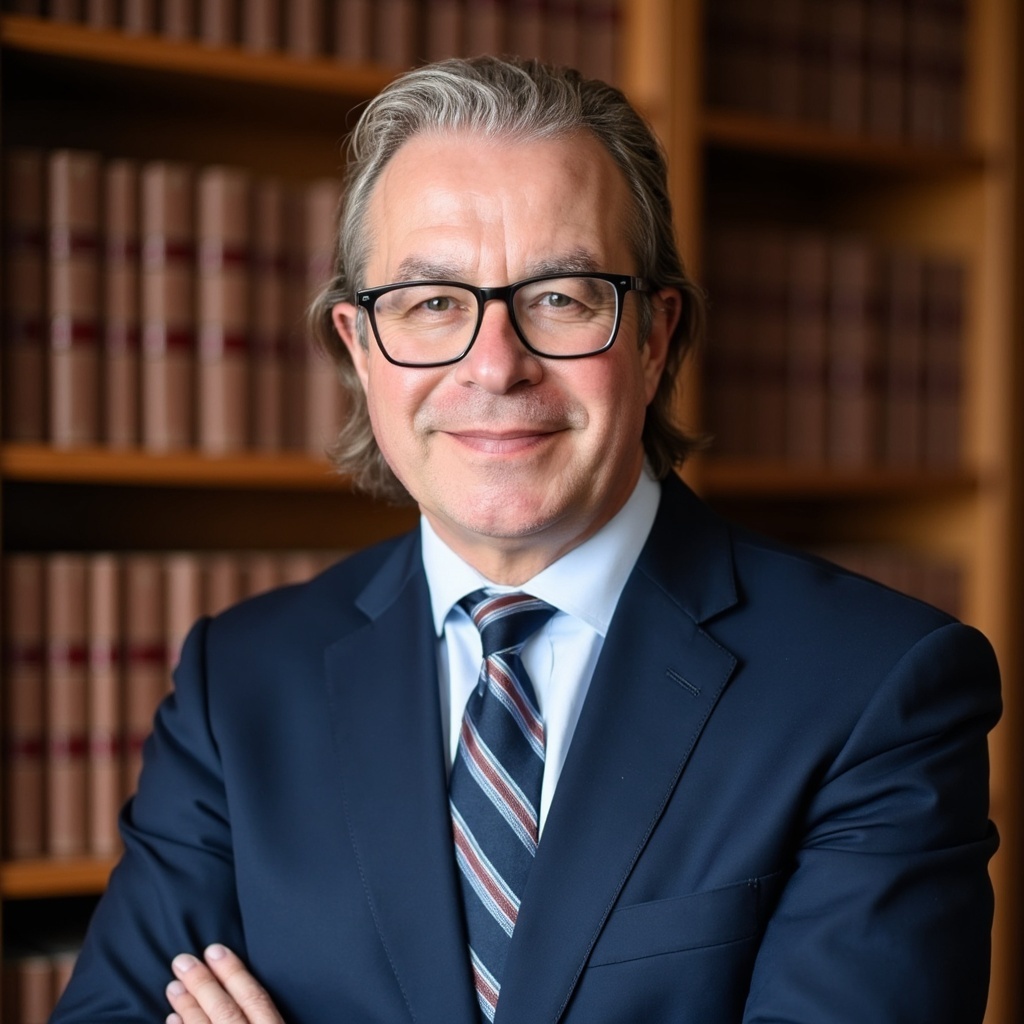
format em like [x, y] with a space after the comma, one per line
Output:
[498, 360]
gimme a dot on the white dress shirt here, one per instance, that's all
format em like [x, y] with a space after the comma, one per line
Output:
[584, 585]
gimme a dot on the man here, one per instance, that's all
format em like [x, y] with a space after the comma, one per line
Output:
[762, 781]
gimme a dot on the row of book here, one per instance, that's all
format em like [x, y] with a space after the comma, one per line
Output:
[395, 33]
[891, 69]
[89, 643]
[162, 305]
[833, 351]
[33, 981]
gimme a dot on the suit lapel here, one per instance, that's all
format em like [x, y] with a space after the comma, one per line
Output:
[384, 695]
[657, 681]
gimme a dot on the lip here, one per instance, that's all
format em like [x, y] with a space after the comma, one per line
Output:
[503, 442]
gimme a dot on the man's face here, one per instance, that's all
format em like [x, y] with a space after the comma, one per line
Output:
[513, 458]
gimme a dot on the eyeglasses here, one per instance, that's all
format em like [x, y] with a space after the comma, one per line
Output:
[558, 316]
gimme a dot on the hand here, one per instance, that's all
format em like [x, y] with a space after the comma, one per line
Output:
[220, 990]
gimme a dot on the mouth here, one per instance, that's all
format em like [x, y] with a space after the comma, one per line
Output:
[514, 441]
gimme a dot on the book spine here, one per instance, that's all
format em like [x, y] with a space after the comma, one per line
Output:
[884, 79]
[28, 989]
[846, 95]
[66, 704]
[105, 696]
[729, 354]
[261, 26]
[184, 601]
[807, 349]
[599, 32]
[138, 17]
[485, 27]
[24, 299]
[352, 30]
[223, 310]
[65, 10]
[145, 657]
[121, 332]
[394, 33]
[101, 14]
[443, 30]
[23, 712]
[323, 395]
[178, 19]
[784, 65]
[768, 340]
[525, 28]
[305, 28]
[944, 290]
[74, 297]
[260, 573]
[268, 302]
[168, 325]
[218, 22]
[903, 360]
[222, 582]
[854, 390]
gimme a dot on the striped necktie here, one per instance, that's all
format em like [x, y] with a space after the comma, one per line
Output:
[494, 793]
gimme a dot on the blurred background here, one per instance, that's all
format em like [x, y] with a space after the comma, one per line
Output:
[847, 182]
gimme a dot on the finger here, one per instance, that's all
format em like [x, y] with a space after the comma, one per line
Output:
[251, 997]
[198, 997]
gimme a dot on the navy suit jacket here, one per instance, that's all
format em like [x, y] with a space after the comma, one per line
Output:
[774, 807]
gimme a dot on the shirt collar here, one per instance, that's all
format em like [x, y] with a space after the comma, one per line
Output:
[585, 583]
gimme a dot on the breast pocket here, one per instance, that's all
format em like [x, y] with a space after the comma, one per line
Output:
[733, 913]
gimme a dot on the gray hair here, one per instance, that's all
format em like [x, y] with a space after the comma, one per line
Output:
[517, 100]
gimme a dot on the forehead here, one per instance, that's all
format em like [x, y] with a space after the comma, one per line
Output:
[499, 206]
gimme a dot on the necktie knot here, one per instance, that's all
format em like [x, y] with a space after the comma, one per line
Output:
[505, 621]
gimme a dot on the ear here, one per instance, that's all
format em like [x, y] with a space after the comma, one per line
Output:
[668, 307]
[344, 315]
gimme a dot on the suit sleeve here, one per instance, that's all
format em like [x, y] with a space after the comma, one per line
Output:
[887, 915]
[173, 890]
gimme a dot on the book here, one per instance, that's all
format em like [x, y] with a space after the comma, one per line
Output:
[305, 28]
[121, 333]
[442, 29]
[599, 33]
[846, 65]
[168, 324]
[853, 378]
[261, 25]
[183, 580]
[395, 33]
[269, 319]
[138, 17]
[178, 19]
[944, 299]
[145, 657]
[562, 33]
[884, 78]
[74, 296]
[23, 710]
[485, 22]
[223, 310]
[105, 698]
[352, 30]
[101, 14]
[902, 339]
[524, 28]
[66, 704]
[807, 348]
[24, 302]
[218, 23]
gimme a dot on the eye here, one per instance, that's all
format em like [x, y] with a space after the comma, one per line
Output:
[439, 304]
[558, 300]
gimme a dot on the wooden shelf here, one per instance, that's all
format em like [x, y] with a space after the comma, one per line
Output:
[749, 132]
[41, 464]
[30, 879]
[152, 55]
[740, 478]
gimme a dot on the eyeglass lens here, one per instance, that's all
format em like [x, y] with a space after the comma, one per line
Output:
[558, 316]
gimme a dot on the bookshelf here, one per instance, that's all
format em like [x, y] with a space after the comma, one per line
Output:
[143, 97]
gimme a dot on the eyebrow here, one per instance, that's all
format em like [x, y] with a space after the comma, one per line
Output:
[418, 268]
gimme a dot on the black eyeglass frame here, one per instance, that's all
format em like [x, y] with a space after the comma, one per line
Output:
[366, 298]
